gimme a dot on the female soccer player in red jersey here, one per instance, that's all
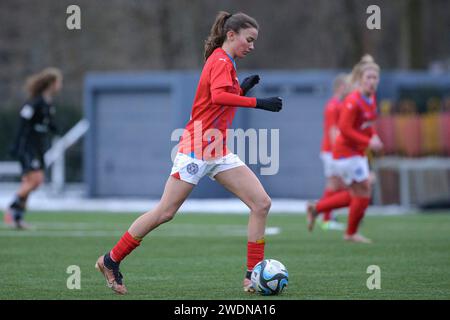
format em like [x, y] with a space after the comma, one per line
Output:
[202, 149]
[357, 133]
[331, 113]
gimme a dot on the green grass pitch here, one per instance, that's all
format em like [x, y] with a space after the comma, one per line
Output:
[200, 256]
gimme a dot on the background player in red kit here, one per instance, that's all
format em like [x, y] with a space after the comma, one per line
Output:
[356, 125]
[203, 151]
[330, 125]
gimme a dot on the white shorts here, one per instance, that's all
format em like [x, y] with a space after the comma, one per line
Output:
[192, 170]
[351, 169]
[328, 164]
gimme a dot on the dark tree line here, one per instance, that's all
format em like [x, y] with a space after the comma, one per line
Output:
[139, 35]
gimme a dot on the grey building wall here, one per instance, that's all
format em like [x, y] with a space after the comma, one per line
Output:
[132, 115]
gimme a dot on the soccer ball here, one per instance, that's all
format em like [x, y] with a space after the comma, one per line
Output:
[269, 277]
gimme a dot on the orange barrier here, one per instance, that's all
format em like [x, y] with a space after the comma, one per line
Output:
[431, 143]
[386, 132]
[415, 135]
[408, 135]
[444, 126]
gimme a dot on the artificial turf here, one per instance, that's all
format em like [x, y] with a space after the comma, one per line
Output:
[202, 256]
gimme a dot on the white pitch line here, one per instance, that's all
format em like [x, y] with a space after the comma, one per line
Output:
[188, 230]
[64, 234]
[270, 231]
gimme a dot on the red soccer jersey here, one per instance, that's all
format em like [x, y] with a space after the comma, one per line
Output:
[218, 94]
[330, 118]
[356, 125]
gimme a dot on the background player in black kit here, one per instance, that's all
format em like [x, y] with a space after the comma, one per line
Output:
[33, 139]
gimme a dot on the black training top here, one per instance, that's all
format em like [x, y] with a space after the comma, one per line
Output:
[36, 125]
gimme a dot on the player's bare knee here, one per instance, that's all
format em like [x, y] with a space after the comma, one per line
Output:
[365, 187]
[267, 204]
[36, 182]
[262, 206]
[362, 189]
[32, 185]
[166, 217]
[168, 213]
[39, 182]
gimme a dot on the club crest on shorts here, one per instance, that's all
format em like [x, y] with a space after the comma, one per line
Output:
[359, 171]
[192, 168]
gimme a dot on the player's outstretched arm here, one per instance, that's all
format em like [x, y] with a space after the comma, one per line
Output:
[220, 96]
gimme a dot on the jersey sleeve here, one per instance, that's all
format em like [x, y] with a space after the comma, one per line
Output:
[221, 81]
[220, 75]
[331, 117]
[222, 97]
[347, 119]
[373, 127]
[26, 116]
[335, 115]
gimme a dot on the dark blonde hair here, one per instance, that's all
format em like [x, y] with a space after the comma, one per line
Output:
[340, 80]
[226, 22]
[39, 82]
[366, 62]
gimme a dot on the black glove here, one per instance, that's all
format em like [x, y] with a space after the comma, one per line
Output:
[273, 104]
[249, 83]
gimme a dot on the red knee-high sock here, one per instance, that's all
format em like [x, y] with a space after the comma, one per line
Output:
[358, 207]
[327, 214]
[255, 253]
[123, 248]
[336, 201]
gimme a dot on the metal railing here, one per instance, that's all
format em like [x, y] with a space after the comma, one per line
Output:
[54, 157]
[406, 186]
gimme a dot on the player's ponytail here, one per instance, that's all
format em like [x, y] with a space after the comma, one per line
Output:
[39, 82]
[225, 22]
[366, 62]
